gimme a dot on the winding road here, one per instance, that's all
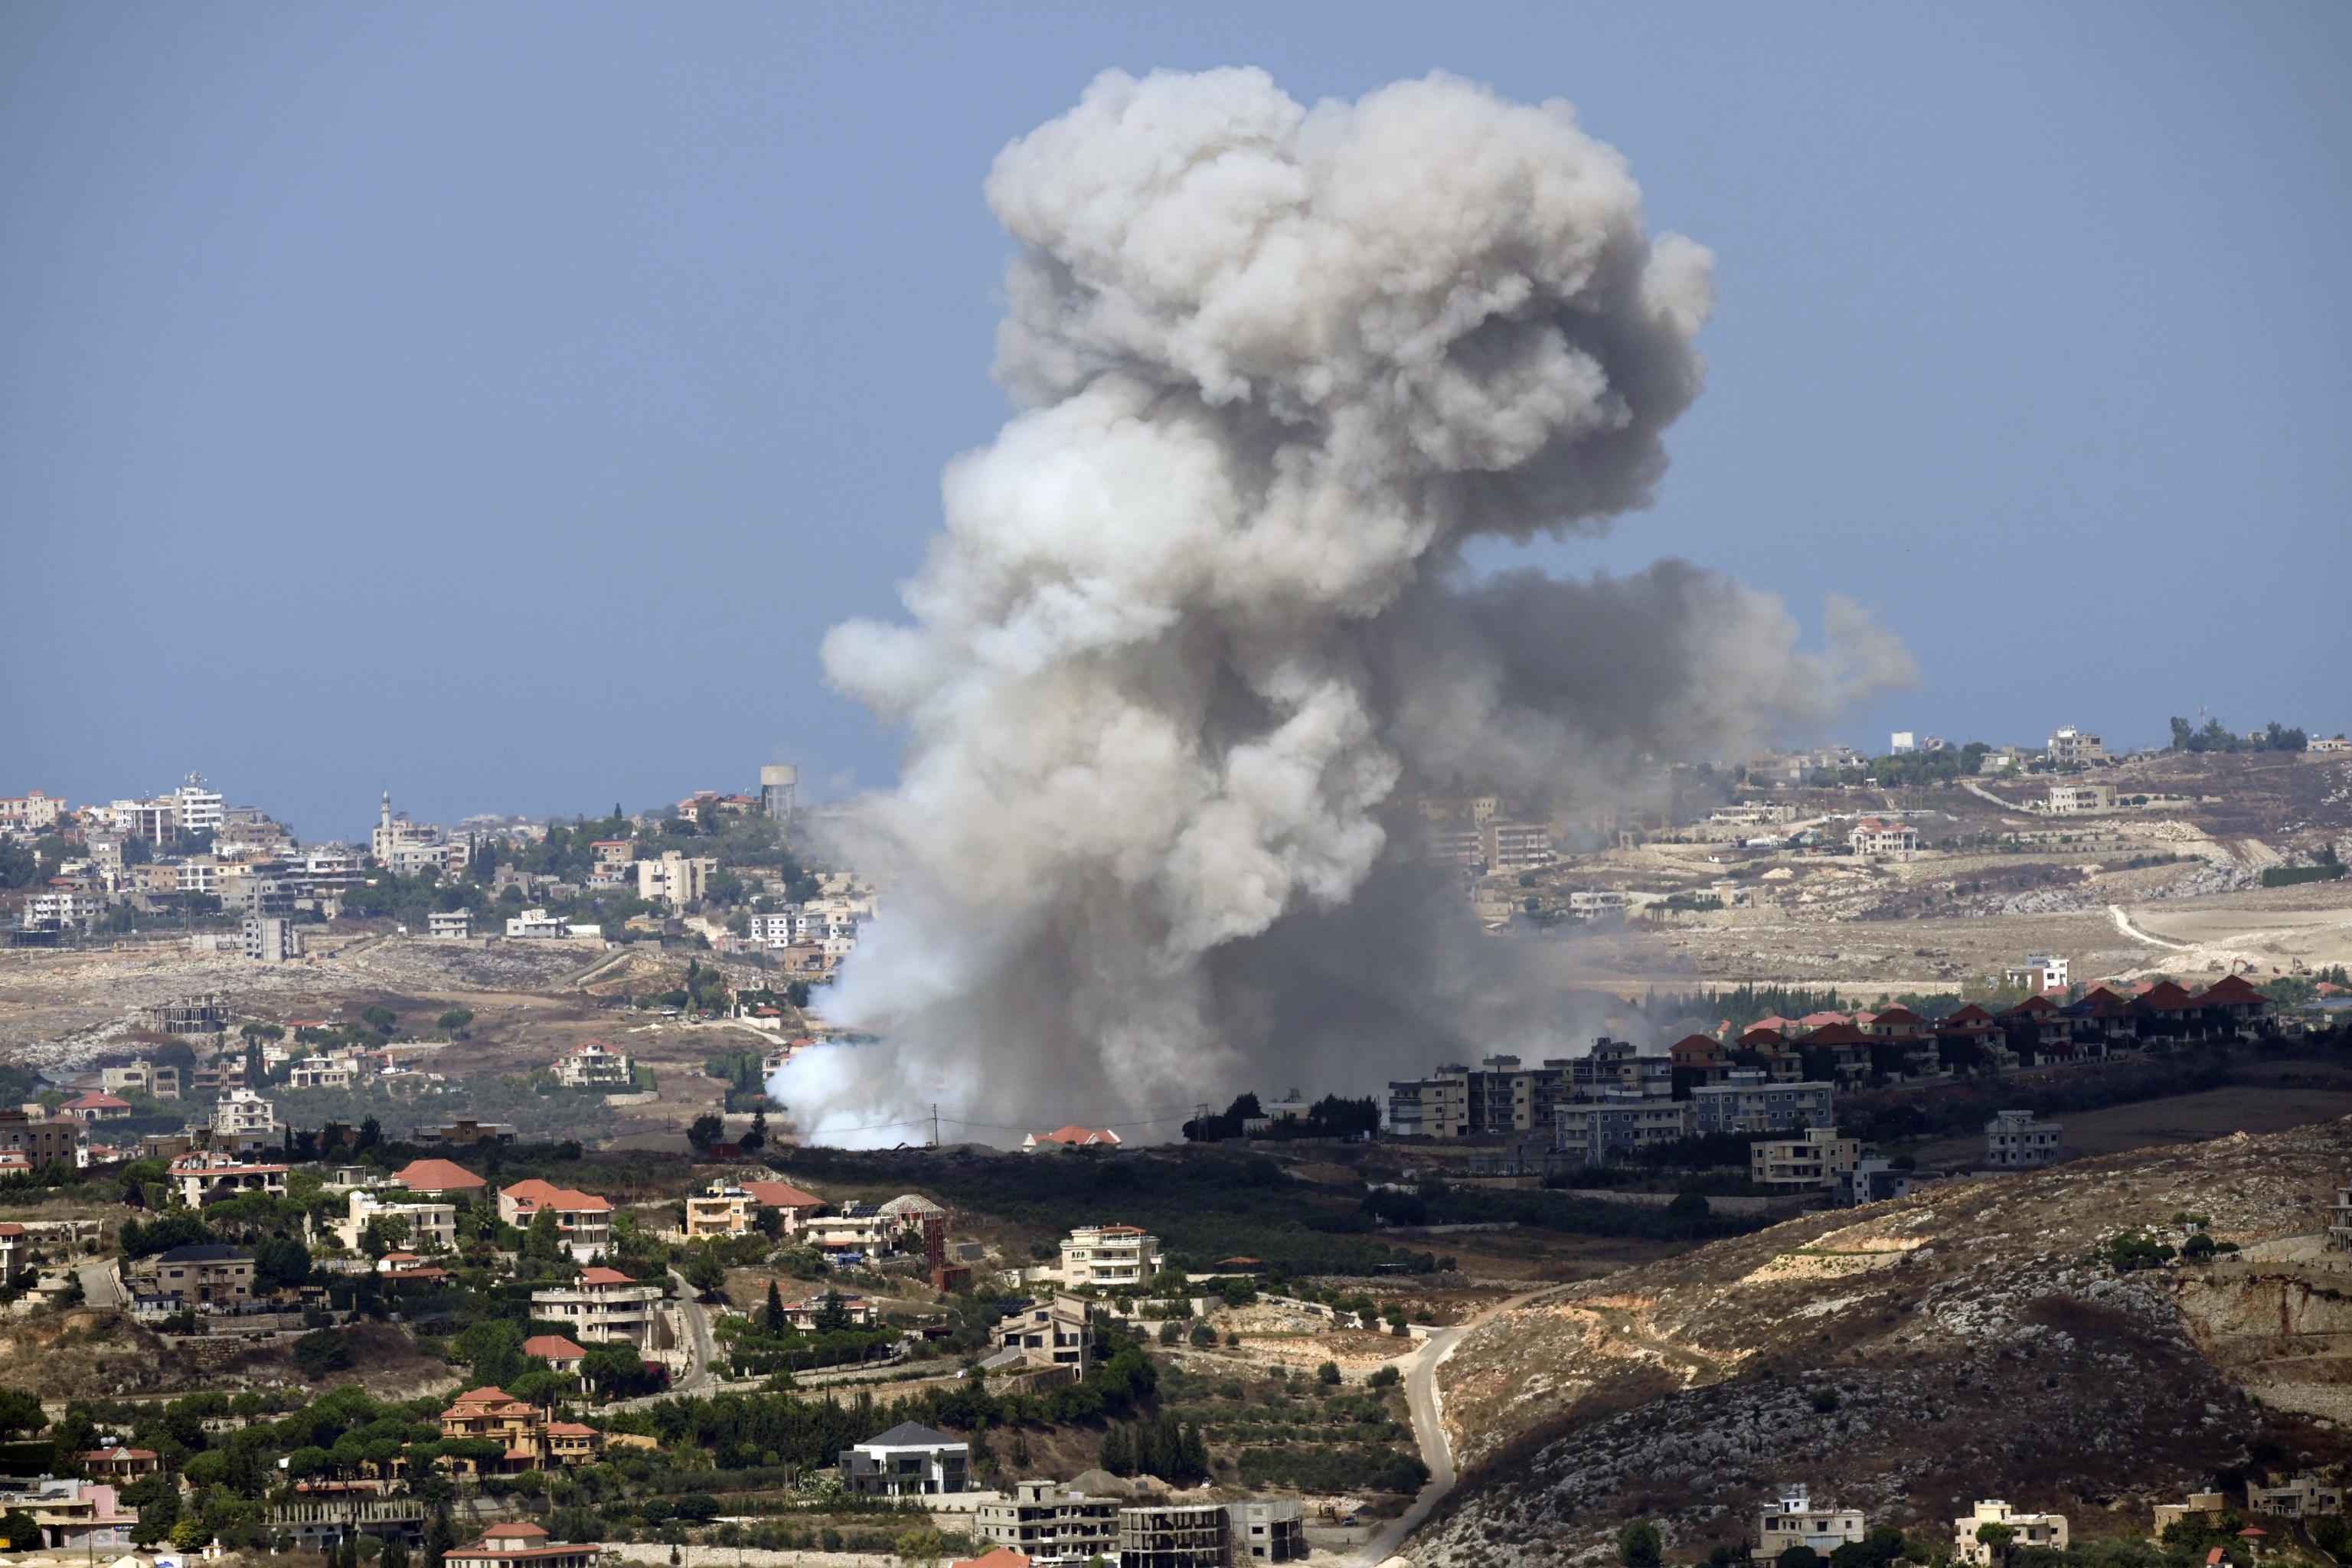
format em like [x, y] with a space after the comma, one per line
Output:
[1426, 1403]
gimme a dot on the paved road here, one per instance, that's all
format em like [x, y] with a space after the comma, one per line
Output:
[97, 1286]
[697, 1327]
[1427, 1406]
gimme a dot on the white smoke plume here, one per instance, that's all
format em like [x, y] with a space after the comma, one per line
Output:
[1197, 628]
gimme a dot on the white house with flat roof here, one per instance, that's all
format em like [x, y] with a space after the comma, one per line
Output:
[1795, 1520]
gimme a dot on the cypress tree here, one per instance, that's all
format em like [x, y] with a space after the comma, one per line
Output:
[776, 1322]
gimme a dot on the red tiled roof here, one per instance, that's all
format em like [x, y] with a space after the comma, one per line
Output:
[1899, 1014]
[2166, 997]
[519, 1528]
[95, 1101]
[437, 1176]
[1760, 1035]
[2230, 991]
[2031, 1006]
[1838, 1034]
[600, 1275]
[568, 1429]
[1003, 1557]
[1077, 1134]
[533, 1193]
[782, 1195]
[1972, 1013]
[552, 1347]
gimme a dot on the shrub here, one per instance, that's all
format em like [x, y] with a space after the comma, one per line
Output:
[1386, 1377]
[1328, 1373]
[321, 1351]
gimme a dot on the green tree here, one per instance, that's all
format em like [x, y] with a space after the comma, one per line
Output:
[1638, 1545]
[706, 1271]
[757, 1138]
[777, 1323]
[707, 1128]
[20, 1413]
[322, 1352]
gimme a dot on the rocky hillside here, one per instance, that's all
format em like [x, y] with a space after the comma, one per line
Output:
[1968, 1342]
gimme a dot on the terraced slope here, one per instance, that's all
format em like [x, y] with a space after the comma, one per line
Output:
[1967, 1342]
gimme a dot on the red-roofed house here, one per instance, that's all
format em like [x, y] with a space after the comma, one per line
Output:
[96, 1107]
[2232, 1006]
[585, 1219]
[558, 1353]
[491, 1414]
[115, 1462]
[1002, 1557]
[437, 1176]
[1849, 1047]
[522, 1544]
[1697, 1059]
[571, 1443]
[1073, 1137]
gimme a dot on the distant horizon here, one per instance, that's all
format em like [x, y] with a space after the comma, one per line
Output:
[449, 818]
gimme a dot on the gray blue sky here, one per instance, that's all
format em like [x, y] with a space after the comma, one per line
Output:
[497, 404]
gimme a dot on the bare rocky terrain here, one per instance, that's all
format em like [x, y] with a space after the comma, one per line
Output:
[1967, 1342]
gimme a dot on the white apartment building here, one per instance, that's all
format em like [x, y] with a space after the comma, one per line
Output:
[675, 880]
[1796, 1520]
[2040, 971]
[2014, 1141]
[2043, 1530]
[537, 925]
[65, 907]
[606, 1305]
[203, 1177]
[1515, 846]
[431, 1226]
[322, 1073]
[197, 874]
[1815, 1158]
[1110, 1255]
[198, 807]
[241, 1112]
[457, 924]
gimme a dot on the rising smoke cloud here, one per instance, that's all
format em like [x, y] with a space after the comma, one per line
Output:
[1198, 627]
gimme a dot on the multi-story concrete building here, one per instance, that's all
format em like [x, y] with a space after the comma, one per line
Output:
[1050, 1523]
[1056, 1332]
[271, 939]
[44, 1141]
[210, 1274]
[1749, 1101]
[2304, 1497]
[1515, 846]
[674, 879]
[2015, 1139]
[2071, 747]
[198, 806]
[606, 1305]
[733, 1209]
[430, 1227]
[1110, 1255]
[1175, 1535]
[1268, 1529]
[205, 1176]
[243, 1113]
[1609, 1129]
[1796, 1520]
[1816, 1159]
[519, 1543]
[35, 811]
[2026, 1530]
[452, 925]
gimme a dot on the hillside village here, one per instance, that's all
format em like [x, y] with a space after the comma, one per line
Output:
[428, 1198]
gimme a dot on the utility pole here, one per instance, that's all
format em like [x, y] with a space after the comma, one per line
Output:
[935, 1124]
